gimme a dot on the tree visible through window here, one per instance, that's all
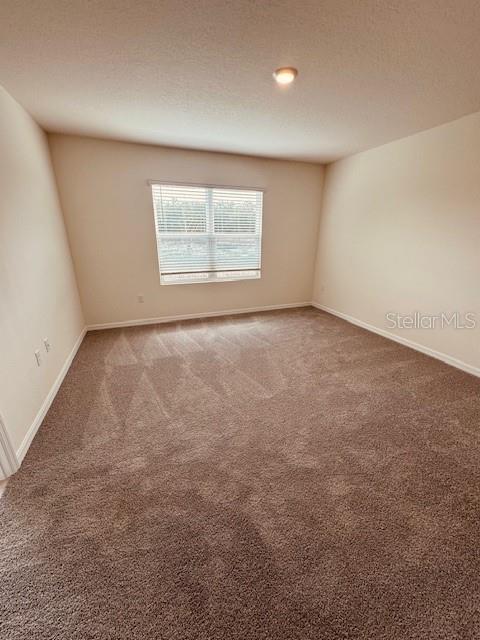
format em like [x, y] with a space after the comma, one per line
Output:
[207, 233]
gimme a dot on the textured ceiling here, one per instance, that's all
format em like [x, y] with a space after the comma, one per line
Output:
[199, 73]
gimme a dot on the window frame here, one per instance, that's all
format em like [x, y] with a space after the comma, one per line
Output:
[212, 276]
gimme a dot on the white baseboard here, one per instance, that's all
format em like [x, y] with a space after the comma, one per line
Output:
[194, 316]
[23, 448]
[454, 362]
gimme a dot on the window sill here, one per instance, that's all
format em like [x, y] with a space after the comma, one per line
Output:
[206, 278]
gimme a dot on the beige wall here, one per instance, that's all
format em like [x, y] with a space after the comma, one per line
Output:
[108, 212]
[400, 231]
[38, 293]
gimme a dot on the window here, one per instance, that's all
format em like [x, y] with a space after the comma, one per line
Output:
[207, 233]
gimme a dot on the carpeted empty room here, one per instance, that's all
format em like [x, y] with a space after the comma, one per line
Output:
[239, 320]
[279, 475]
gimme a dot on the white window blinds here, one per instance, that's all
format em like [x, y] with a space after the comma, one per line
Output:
[207, 233]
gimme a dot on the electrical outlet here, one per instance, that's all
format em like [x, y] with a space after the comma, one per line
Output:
[38, 358]
[140, 297]
[47, 344]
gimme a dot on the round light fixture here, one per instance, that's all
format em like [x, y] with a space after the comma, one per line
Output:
[285, 75]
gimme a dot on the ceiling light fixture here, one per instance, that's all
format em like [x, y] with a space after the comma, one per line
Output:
[285, 75]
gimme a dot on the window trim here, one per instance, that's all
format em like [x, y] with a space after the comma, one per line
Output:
[212, 275]
[205, 185]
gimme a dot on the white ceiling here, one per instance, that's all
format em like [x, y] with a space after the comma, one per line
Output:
[198, 73]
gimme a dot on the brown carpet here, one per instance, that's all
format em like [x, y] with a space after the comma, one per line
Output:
[274, 476]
